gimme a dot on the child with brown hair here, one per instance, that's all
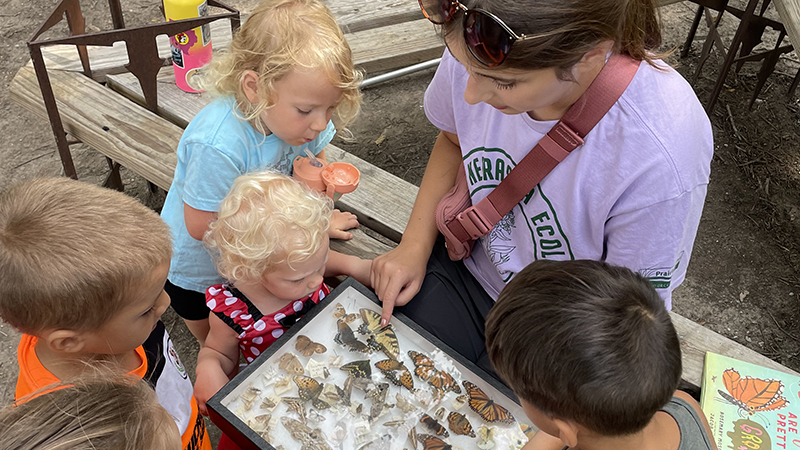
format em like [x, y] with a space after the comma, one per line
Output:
[90, 414]
[591, 352]
[83, 272]
[286, 80]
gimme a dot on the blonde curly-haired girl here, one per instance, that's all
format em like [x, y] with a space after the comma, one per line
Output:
[270, 242]
[287, 78]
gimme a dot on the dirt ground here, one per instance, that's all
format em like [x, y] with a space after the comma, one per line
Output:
[744, 278]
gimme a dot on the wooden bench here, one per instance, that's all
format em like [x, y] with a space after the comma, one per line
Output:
[145, 142]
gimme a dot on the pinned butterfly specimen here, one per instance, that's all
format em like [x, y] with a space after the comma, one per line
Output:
[426, 370]
[430, 442]
[381, 338]
[396, 372]
[308, 347]
[434, 426]
[309, 389]
[340, 313]
[249, 396]
[485, 407]
[752, 395]
[459, 424]
[378, 397]
[296, 405]
[290, 364]
[358, 369]
[302, 433]
[346, 337]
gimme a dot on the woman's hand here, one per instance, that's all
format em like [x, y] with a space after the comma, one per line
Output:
[340, 222]
[397, 276]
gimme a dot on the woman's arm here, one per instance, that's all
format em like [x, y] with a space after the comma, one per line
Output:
[217, 361]
[397, 275]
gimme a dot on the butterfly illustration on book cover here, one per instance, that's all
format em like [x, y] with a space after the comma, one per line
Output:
[752, 395]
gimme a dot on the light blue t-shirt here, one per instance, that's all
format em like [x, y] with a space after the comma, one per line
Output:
[215, 148]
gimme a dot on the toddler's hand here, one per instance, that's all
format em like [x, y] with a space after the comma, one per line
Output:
[208, 383]
[341, 221]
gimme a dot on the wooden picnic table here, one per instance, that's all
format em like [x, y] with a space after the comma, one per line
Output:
[111, 120]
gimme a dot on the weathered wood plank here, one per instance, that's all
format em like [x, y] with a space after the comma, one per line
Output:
[96, 115]
[696, 340]
[789, 12]
[373, 48]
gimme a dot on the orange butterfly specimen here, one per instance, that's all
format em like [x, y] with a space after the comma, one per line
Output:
[308, 347]
[309, 389]
[752, 395]
[430, 442]
[396, 372]
[485, 407]
[431, 424]
[459, 424]
[425, 369]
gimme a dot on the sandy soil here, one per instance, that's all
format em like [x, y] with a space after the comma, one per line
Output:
[744, 278]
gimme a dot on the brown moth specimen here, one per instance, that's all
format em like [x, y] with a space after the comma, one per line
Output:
[290, 364]
[307, 347]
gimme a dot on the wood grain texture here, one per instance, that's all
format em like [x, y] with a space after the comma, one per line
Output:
[98, 116]
[696, 340]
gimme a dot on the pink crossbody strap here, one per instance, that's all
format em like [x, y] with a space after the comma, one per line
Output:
[566, 135]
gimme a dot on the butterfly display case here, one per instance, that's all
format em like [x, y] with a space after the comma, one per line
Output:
[338, 380]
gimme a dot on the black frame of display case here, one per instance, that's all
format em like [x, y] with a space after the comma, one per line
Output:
[246, 438]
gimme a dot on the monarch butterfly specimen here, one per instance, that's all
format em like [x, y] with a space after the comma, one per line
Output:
[425, 369]
[309, 390]
[396, 372]
[752, 395]
[308, 347]
[381, 338]
[485, 407]
[430, 442]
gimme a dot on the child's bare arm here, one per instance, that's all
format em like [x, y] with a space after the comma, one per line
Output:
[341, 264]
[197, 221]
[340, 223]
[217, 361]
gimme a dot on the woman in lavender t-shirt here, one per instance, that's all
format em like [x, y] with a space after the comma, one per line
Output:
[632, 195]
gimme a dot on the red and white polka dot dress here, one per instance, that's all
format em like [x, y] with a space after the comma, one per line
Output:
[256, 330]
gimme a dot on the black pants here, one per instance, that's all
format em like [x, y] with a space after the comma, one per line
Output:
[453, 306]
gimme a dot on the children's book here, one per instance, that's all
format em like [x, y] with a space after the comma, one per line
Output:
[750, 407]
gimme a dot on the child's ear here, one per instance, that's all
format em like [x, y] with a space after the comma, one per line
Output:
[593, 58]
[64, 341]
[250, 85]
[567, 432]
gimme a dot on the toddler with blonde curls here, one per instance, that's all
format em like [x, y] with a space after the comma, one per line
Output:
[270, 242]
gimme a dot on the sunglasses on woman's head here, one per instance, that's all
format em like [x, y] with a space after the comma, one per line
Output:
[489, 39]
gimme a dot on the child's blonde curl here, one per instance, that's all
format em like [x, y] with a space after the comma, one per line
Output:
[281, 35]
[267, 219]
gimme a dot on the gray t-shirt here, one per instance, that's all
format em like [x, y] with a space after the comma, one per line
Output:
[632, 195]
[693, 433]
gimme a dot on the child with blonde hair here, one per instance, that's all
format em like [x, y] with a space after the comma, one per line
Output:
[271, 243]
[287, 78]
[89, 414]
[83, 270]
